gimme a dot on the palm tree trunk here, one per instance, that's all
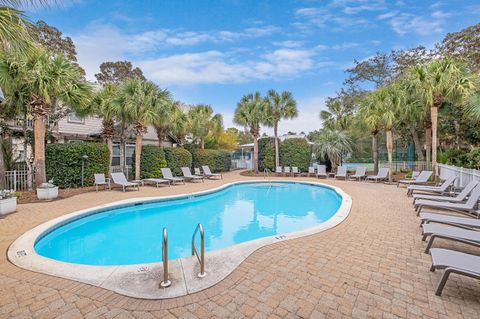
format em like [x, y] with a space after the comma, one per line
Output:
[375, 151]
[428, 143]
[138, 153]
[161, 133]
[390, 152]
[416, 142]
[202, 143]
[122, 149]
[39, 132]
[275, 133]
[110, 151]
[2, 166]
[255, 153]
[434, 115]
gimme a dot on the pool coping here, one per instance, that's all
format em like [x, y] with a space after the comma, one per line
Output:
[142, 280]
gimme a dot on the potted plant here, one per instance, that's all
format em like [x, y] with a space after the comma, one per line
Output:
[47, 191]
[8, 202]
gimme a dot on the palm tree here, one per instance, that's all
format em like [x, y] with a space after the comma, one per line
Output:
[389, 99]
[473, 106]
[336, 117]
[103, 105]
[180, 124]
[168, 118]
[282, 106]
[47, 80]
[15, 29]
[332, 144]
[203, 123]
[251, 112]
[412, 115]
[371, 115]
[443, 80]
[140, 100]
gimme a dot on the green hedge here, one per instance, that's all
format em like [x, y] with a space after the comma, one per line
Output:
[64, 163]
[217, 160]
[178, 157]
[266, 153]
[152, 160]
[295, 152]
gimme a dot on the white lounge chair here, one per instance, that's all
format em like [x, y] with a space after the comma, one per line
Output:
[359, 173]
[278, 171]
[167, 174]
[311, 171]
[187, 174]
[121, 180]
[460, 197]
[209, 174]
[465, 222]
[466, 236]
[295, 171]
[156, 181]
[100, 180]
[421, 179]
[454, 262]
[381, 176]
[341, 172]
[287, 171]
[444, 187]
[197, 172]
[468, 207]
[321, 171]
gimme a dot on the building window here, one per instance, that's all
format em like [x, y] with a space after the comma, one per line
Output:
[75, 118]
[129, 149]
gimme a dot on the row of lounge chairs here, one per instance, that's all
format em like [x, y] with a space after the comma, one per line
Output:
[168, 178]
[321, 171]
[453, 216]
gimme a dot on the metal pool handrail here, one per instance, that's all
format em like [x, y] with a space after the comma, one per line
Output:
[166, 282]
[266, 173]
[201, 255]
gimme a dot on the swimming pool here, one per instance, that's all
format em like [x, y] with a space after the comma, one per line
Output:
[239, 213]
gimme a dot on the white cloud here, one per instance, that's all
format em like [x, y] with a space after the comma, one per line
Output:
[405, 23]
[99, 43]
[219, 67]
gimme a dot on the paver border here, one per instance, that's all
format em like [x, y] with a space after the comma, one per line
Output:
[141, 280]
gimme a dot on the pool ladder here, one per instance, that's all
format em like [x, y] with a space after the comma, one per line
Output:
[200, 255]
[266, 173]
[166, 282]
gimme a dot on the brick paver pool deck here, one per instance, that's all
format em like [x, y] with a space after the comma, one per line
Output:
[372, 265]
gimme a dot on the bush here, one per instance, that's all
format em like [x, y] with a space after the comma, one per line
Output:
[266, 153]
[217, 160]
[454, 157]
[152, 160]
[176, 158]
[295, 152]
[64, 163]
[473, 158]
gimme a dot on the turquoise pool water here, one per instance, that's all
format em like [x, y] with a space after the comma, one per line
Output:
[236, 214]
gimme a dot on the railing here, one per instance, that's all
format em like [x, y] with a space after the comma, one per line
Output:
[201, 255]
[19, 180]
[396, 165]
[166, 282]
[266, 173]
[464, 175]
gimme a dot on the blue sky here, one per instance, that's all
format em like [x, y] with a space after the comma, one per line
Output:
[214, 52]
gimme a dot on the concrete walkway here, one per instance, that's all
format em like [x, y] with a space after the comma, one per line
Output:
[371, 265]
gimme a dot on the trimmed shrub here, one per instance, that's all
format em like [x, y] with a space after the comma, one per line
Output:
[64, 163]
[266, 153]
[217, 160]
[152, 160]
[295, 152]
[176, 158]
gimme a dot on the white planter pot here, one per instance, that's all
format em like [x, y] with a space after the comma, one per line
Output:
[8, 205]
[47, 193]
